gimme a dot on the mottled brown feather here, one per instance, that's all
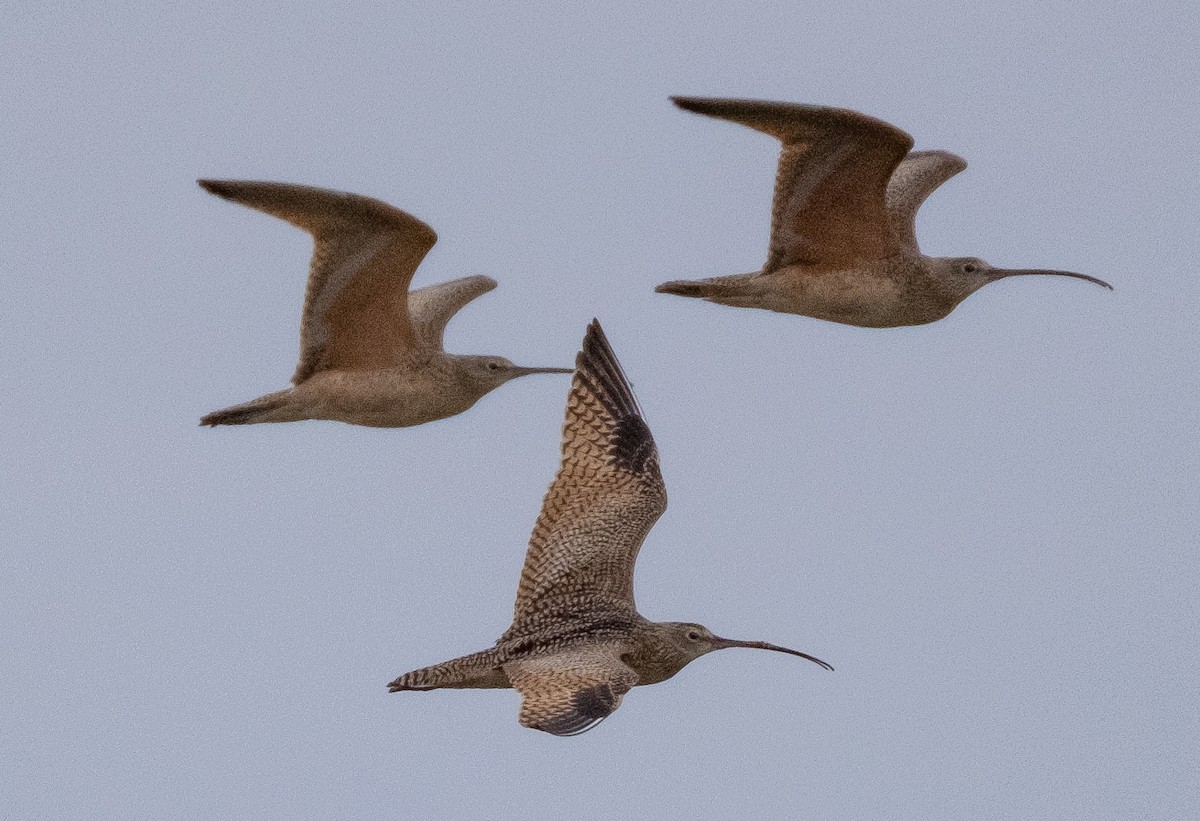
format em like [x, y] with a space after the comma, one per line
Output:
[605, 498]
[570, 692]
[364, 255]
[833, 173]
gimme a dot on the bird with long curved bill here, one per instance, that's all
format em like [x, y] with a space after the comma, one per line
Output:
[370, 352]
[577, 643]
[843, 245]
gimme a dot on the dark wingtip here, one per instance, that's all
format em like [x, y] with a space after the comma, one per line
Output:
[789, 122]
[595, 343]
[597, 371]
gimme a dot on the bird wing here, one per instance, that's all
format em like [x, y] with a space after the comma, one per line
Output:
[364, 255]
[912, 182]
[569, 692]
[431, 308]
[833, 173]
[607, 495]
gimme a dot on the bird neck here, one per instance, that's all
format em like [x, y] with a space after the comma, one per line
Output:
[655, 656]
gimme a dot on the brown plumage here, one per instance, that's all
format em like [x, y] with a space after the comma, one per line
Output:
[577, 643]
[370, 352]
[842, 244]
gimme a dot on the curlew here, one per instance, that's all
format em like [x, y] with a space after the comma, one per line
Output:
[577, 643]
[843, 245]
[370, 352]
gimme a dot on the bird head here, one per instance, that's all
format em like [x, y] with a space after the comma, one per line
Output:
[966, 275]
[488, 372]
[695, 640]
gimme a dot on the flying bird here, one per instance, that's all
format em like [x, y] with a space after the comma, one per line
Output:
[577, 643]
[843, 244]
[370, 352]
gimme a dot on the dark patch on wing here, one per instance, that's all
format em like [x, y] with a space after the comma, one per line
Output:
[588, 707]
[595, 702]
[632, 447]
[630, 444]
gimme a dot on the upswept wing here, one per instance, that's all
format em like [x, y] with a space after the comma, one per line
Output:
[607, 495]
[918, 176]
[364, 255]
[430, 308]
[833, 174]
[570, 692]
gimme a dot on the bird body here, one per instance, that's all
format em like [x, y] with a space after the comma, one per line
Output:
[877, 294]
[426, 386]
[577, 643]
[370, 352]
[843, 245]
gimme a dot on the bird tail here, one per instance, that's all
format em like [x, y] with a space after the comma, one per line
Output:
[729, 290]
[685, 287]
[269, 408]
[480, 669]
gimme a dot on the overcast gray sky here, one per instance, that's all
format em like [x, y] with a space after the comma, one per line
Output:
[987, 525]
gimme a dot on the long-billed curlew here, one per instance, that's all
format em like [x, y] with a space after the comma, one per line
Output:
[577, 642]
[370, 352]
[843, 244]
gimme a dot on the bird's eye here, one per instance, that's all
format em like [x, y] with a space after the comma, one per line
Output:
[969, 268]
[493, 366]
[693, 635]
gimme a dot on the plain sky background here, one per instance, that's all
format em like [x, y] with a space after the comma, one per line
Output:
[988, 525]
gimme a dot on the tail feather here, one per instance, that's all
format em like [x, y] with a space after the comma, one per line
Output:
[477, 670]
[718, 289]
[683, 287]
[263, 409]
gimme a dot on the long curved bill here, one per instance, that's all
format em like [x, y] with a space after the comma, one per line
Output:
[762, 645]
[519, 371]
[1001, 273]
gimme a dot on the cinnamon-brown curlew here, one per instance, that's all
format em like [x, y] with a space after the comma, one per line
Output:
[843, 244]
[577, 643]
[370, 352]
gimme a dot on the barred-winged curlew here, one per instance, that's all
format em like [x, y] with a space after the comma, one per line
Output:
[843, 245]
[577, 643]
[370, 352]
